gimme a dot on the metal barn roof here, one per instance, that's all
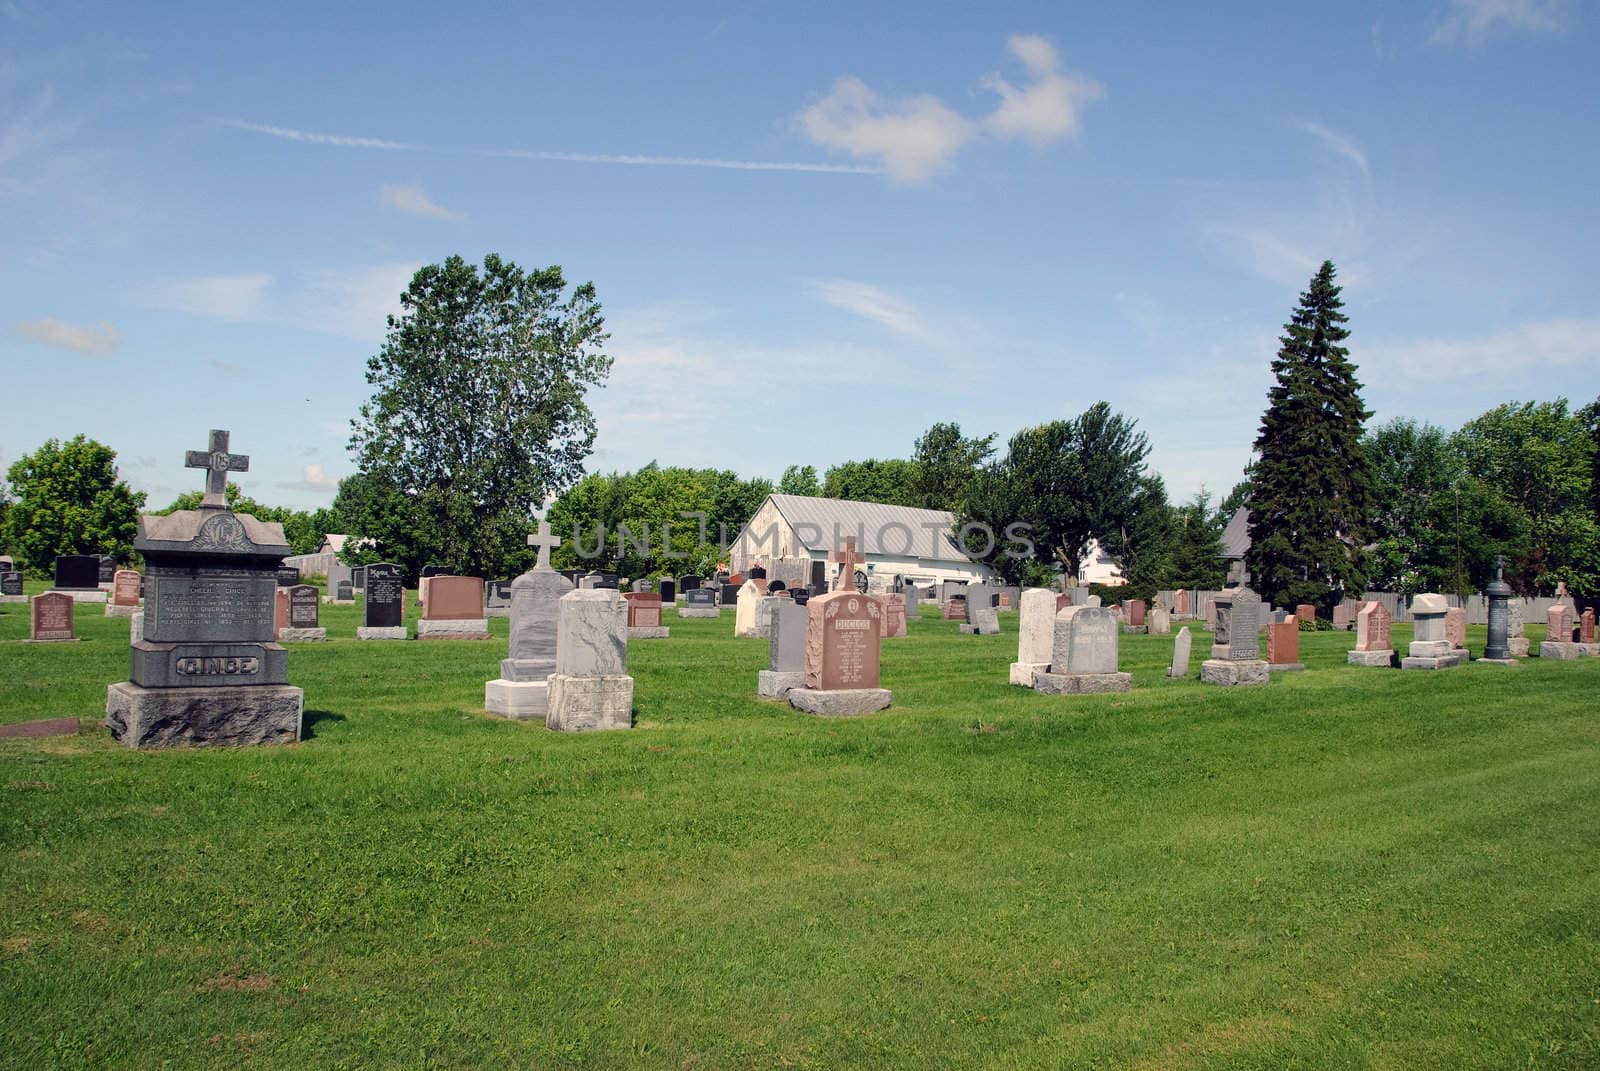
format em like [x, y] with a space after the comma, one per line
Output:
[877, 528]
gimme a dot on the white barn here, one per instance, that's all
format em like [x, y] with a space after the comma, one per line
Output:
[896, 540]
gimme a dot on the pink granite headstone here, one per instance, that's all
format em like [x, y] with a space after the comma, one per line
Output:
[1133, 612]
[1558, 623]
[1283, 642]
[1180, 602]
[842, 637]
[644, 609]
[1373, 627]
[1455, 627]
[1062, 602]
[125, 588]
[50, 617]
[280, 610]
[894, 615]
[1586, 626]
[1306, 612]
[454, 598]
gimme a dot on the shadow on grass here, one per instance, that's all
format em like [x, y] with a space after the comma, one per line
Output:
[312, 718]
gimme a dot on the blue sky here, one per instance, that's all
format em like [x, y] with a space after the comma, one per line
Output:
[995, 214]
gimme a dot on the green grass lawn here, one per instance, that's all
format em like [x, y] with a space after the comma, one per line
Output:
[1350, 868]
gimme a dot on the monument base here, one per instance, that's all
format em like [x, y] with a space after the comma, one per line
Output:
[658, 632]
[1081, 683]
[13, 598]
[980, 630]
[1229, 672]
[303, 635]
[1519, 646]
[1385, 659]
[329, 600]
[1444, 661]
[113, 610]
[751, 634]
[1496, 661]
[378, 632]
[517, 700]
[203, 717]
[1567, 651]
[1136, 630]
[136, 627]
[840, 703]
[1286, 667]
[775, 684]
[699, 611]
[83, 594]
[64, 639]
[497, 611]
[1022, 673]
[583, 704]
[475, 628]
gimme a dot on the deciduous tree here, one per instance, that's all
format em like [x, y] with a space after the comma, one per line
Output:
[69, 500]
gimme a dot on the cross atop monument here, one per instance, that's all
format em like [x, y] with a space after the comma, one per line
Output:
[847, 560]
[219, 463]
[545, 541]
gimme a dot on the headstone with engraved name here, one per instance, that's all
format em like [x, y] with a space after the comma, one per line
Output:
[699, 602]
[1559, 643]
[1373, 644]
[124, 600]
[383, 607]
[669, 591]
[454, 610]
[303, 625]
[1283, 645]
[747, 618]
[590, 688]
[1236, 647]
[341, 583]
[208, 669]
[955, 608]
[894, 614]
[982, 617]
[1035, 635]
[644, 616]
[497, 598]
[841, 668]
[11, 587]
[288, 576]
[1083, 654]
[50, 618]
[106, 569]
[786, 663]
[523, 687]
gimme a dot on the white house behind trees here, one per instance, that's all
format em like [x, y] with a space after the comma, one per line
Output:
[896, 540]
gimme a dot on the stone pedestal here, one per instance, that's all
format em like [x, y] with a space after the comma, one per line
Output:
[83, 595]
[983, 629]
[136, 627]
[775, 684]
[113, 610]
[658, 632]
[1286, 667]
[329, 600]
[517, 700]
[467, 629]
[699, 611]
[581, 704]
[13, 598]
[1230, 672]
[839, 703]
[303, 635]
[1022, 673]
[1135, 630]
[203, 717]
[1519, 646]
[1568, 651]
[1384, 659]
[497, 611]
[1430, 654]
[375, 632]
[1081, 683]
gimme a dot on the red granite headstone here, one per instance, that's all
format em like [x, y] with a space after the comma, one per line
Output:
[955, 609]
[1586, 626]
[1455, 627]
[842, 635]
[1062, 602]
[1133, 612]
[1180, 601]
[1306, 612]
[1283, 642]
[644, 609]
[1558, 623]
[894, 615]
[50, 617]
[125, 588]
[1373, 626]
[280, 610]
[454, 598]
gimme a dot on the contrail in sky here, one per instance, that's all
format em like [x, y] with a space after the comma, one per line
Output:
[630, 159]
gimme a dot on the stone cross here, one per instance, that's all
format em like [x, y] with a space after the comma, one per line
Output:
[219, 463]
[847, 560]
[545, 541]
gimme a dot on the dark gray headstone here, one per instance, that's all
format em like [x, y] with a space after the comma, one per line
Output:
[688, 583]
[78, 572]
[788, 637]
[702, 598]
[288, 576]
[385, 601]
[358, 577]
[436, 570]
[497, 594]
[669, 592]
[345, 592]
[107, 569]
[303, 602]
[730, 595]
[819, 576]
[11, 583]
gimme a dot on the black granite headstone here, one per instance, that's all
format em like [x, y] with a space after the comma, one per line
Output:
[107, 569]
[730, 595]
[344, 592]
[669, 592]
[609, 580]
[11, 583]
[385, 602]
[288, 576]
[688, 583]
[358, 578]
[756, 573]
[702, 599]
[80, 572]
[303, 602]
[801, 595]
[436, 570]
[819, 576]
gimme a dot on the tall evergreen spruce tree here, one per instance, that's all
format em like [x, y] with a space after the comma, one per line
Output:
[1311, 485]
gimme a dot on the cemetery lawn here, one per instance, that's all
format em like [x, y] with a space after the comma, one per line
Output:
[1350, 868]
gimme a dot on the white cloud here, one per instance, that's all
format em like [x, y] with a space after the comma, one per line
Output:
[314, 479]
[216, 297]
[1047, 110]
[81, 338]
[412, 199]
[1337, 143]
[914, 137]
[1568, 342]
[1473, 20]
[874, 303]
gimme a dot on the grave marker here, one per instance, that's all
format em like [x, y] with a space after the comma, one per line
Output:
[50, 618]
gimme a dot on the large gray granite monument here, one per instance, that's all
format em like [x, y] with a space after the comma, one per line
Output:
[208, 669]
[1083, 657]
[523, 688]
[1236, 650]
[1430, 648]
[982, 618]
[590, 688]
[786, 667]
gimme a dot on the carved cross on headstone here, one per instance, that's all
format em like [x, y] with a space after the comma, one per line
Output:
[545, 541]
[219, 463]
[847, 560]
